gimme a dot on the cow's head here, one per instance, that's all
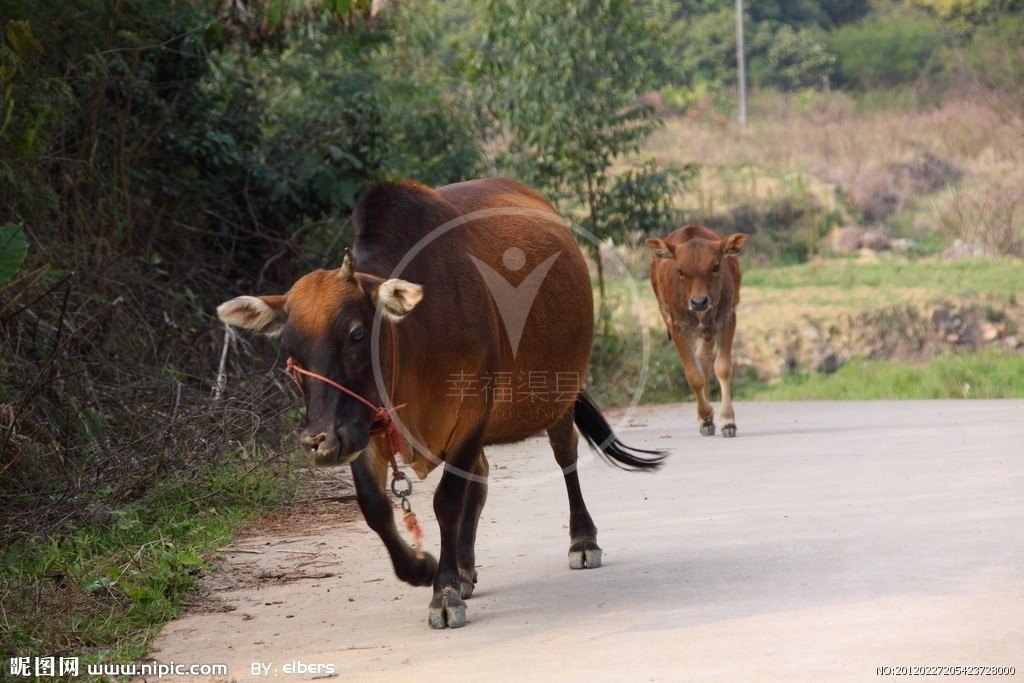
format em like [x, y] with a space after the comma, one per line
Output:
[324, 322]
[699, 266]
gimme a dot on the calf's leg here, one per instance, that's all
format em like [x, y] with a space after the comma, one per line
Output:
[697, 380]
[723, 370]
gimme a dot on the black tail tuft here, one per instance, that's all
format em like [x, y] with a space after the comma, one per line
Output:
[598, 433]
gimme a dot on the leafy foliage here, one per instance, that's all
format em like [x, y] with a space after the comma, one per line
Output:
[13, 250]
[797, 60]
[562, 79]
[562, 82]
[888, 49]
[963, 15]
[640, 200]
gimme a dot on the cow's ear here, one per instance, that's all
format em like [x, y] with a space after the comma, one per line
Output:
[262, 314]
[733, 243]
[661, 248]
[395, 298]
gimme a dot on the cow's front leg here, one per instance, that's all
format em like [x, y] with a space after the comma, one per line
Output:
[447, 608]
[369, 472]
[697, 380]
[723, 370]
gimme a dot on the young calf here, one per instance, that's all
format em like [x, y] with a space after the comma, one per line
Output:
[696, 277]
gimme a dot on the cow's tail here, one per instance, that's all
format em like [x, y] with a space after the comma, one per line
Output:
[598, 433]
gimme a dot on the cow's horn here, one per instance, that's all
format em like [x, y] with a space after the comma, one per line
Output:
[348, 266]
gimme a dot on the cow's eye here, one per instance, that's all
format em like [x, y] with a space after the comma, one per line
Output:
[358, 333]
[681, 273]
[714, 268]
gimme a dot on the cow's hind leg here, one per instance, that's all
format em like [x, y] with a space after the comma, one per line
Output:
[476, 496]
[447, 608]
[584, 553]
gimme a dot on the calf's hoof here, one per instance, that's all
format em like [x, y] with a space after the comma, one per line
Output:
[446, 610]
[729, 431]
[707, 428]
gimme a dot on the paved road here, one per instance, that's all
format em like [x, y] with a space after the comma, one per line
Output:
[825, 541]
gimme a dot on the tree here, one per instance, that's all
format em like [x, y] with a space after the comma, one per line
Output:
[562, 81]
[797, 60]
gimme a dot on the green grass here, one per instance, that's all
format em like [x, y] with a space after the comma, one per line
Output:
[989, 374]
[993, 373]
[1002, 276]
[100, 591]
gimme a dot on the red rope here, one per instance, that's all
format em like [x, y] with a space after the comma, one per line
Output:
[414, 529]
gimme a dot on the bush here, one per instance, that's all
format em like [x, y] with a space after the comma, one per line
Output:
[991, 217]
[889, 49]
[995, 55]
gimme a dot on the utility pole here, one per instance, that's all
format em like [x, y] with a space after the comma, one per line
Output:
[741, 64]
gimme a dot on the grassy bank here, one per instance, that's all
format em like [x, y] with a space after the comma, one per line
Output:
[992, 373]
[100, 591]
[892, 279]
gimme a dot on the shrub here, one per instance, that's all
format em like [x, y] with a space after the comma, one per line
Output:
[991, 217]
[795, 59]
[880, 192]
[889, 49]
[995, 55]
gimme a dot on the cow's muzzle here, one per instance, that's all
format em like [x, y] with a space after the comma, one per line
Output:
[327, 448]
[700, 303]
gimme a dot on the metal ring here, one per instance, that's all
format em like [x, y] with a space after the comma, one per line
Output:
[400, 477]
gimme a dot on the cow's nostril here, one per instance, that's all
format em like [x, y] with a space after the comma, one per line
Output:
[699, 303]
[311, 441]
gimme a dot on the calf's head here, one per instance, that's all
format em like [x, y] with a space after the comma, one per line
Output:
[699, 266]
[324, 322]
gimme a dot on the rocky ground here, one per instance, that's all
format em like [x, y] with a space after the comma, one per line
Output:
[823, 338]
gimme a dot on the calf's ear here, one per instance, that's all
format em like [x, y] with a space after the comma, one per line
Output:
[262, 314]
[733, 243]
[661, 248]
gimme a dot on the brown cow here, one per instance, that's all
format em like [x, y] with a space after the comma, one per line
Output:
[491, 344]
[696, 277]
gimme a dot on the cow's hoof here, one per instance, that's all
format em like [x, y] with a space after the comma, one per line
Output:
[447, 610]
[467, 584]
[419, 572]
[585, 554]
[707, 428]
[729, 431]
